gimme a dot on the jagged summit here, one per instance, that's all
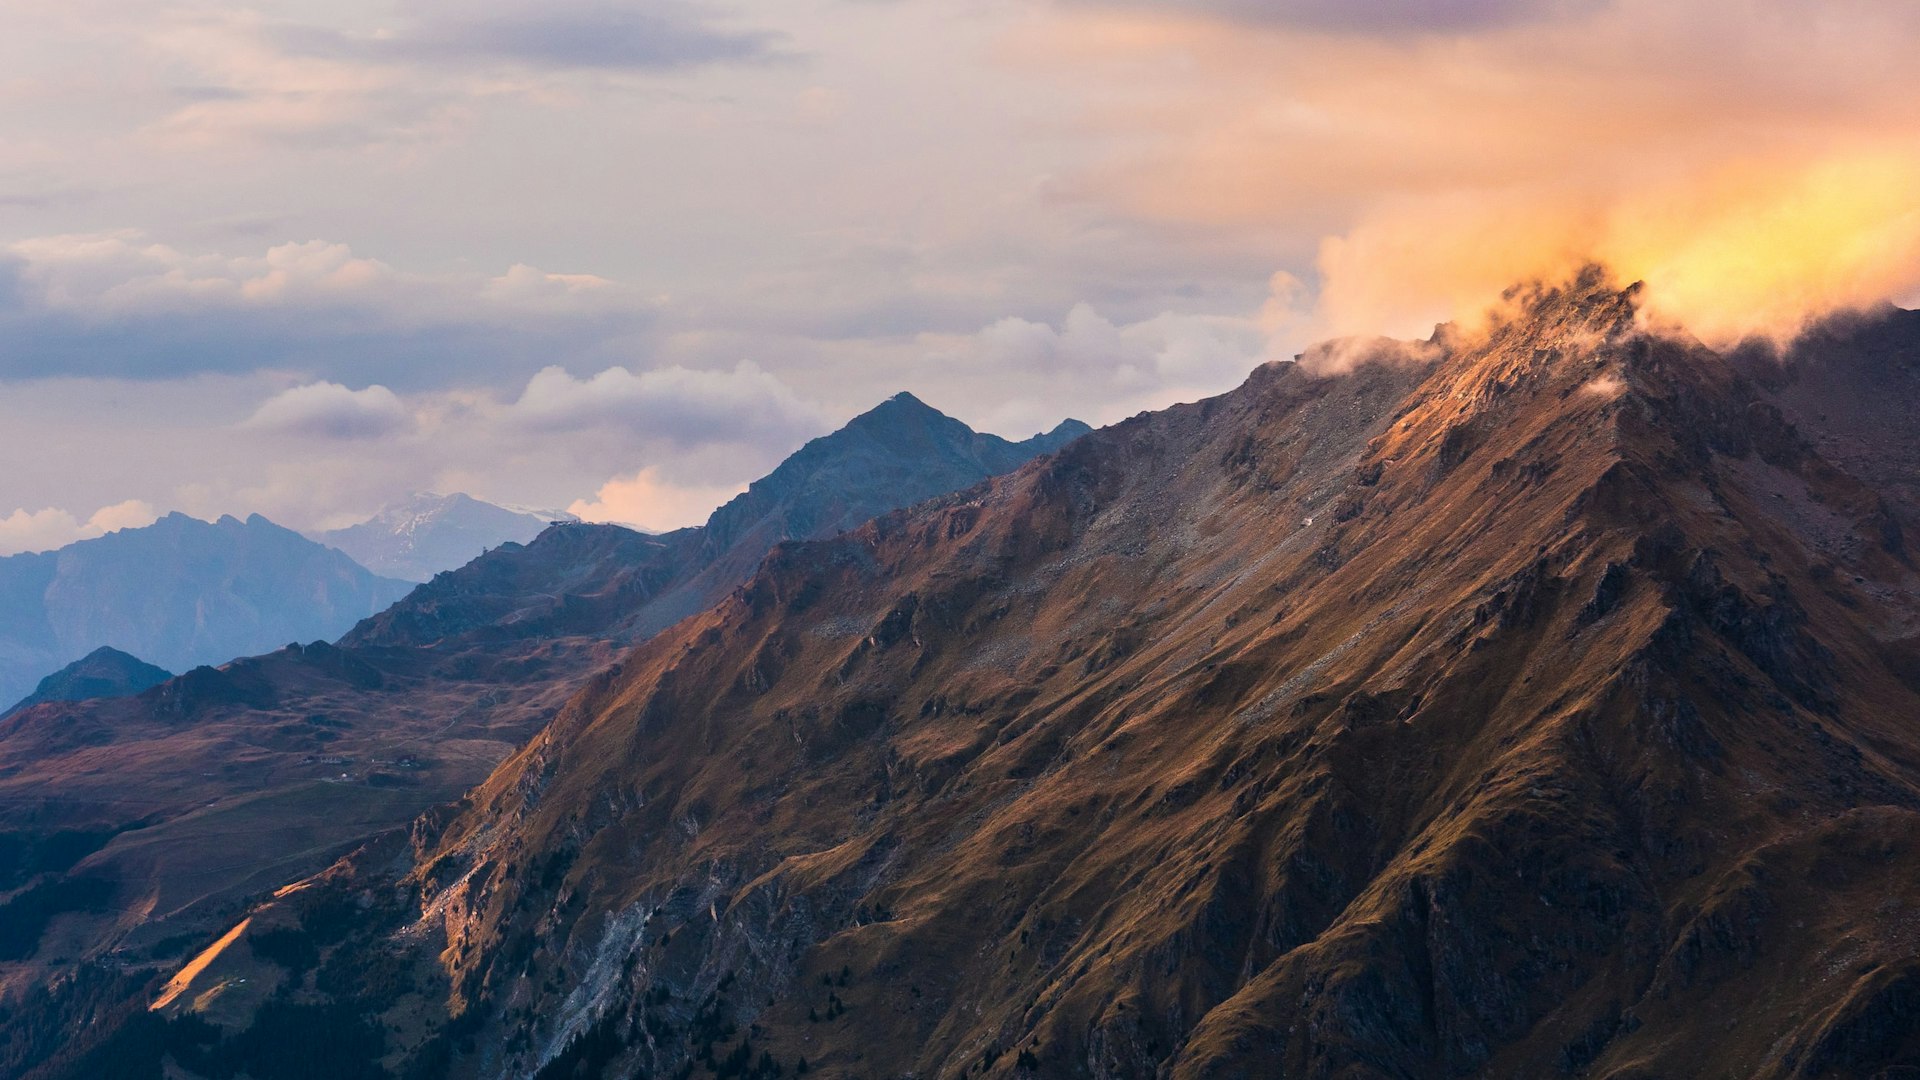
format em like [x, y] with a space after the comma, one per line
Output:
[904, 410]
[895, 454]
[903, 403]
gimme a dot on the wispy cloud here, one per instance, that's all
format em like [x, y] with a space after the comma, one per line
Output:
[1747, 158]
[1391, 18]
[331, 411]
[44, 530]
[653, 35]
[248, 87]
[121, 304]
[263, 79]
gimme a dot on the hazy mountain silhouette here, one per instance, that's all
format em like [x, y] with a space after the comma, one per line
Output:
[426, 534]
[103, 673]
[180, 592]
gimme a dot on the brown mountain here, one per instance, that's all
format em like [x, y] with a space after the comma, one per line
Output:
[226, 782]
[1548, 708]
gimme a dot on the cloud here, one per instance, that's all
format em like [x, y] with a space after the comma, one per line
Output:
[648, 36]
[260, 79]
[120, 303]
[1103, 369]
[1336, 355]
[555, 437]
[1752, 161]
[109, 274]
[44, 530]
[1748, 249]
[122, 273]
[40, 530]
[674, 405]
[1394, 18]
[648, 500]
[1087, 344]
[247, 87]
[328, 410]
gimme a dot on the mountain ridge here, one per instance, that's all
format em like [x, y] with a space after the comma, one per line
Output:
[1475, 717]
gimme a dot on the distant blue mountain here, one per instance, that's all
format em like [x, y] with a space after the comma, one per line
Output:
[418, 538]
[180, 593]
[106, 672]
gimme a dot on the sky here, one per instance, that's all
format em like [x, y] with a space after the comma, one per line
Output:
[622, 256]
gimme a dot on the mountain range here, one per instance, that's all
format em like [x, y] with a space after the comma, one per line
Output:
[182, 802]
[178, 593]
[1542, 708]
[425, 534]
[1536, 702]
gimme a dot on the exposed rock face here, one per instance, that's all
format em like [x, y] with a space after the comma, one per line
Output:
[179, 592]
[103, 673]
[1546, 709]
[428, 534]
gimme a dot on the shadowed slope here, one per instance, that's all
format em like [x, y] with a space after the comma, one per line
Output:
[1850, 383]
